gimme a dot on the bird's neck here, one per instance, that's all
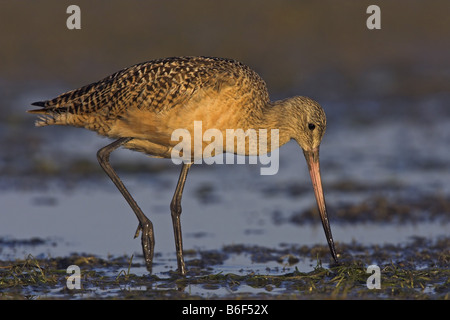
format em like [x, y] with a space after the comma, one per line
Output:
[275, 116]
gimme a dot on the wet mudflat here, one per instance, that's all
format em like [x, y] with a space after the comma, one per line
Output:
[418, 270]
[245, 235]
[266, 243]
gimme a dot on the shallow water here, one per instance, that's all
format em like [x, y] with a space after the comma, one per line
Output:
[361, 158]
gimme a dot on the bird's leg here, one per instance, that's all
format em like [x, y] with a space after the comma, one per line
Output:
[175, 209]
[148, 238]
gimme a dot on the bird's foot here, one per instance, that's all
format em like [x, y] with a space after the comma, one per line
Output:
[147, 241]
[138, 230]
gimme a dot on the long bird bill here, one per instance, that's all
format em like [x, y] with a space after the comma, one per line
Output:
[312, 158]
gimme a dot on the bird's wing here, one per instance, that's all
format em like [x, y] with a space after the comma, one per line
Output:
[176, 81]
[158, 85]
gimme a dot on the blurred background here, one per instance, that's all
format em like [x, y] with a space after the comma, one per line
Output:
[386, 94]
[322, 49]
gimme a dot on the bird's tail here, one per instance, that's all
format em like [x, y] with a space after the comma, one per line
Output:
[49, 113]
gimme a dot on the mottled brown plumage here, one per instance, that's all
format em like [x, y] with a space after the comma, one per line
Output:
[148, 101]
[142, 105]
[156, 86]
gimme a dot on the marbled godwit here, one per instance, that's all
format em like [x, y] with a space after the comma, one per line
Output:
[142, 105]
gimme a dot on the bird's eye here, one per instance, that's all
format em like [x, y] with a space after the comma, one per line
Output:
[311, 126]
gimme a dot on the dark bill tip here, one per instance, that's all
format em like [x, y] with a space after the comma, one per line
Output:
[312, 158]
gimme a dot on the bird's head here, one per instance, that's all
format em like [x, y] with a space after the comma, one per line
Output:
[307, 126]
[310, 122]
